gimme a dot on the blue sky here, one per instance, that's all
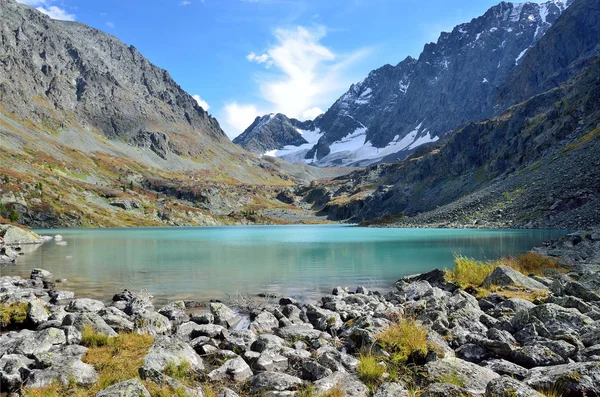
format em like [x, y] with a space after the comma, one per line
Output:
[245, 58]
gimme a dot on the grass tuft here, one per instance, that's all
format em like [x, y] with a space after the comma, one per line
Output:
[179, 371]
[91, 338]
[370, 370]
[13, 315]
[404, 340]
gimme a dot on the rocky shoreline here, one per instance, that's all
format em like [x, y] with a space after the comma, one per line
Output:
[364, 343]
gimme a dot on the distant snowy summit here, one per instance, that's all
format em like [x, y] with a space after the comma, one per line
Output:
[396, 109]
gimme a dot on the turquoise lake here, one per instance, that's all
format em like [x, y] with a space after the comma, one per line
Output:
[213, 262]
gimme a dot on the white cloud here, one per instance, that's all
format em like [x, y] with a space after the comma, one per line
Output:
[185, 3]
[252, 57]
[110, 24]
[312, 113]
[303, 76]
[203, 104]
[45, 7]
[239, 117]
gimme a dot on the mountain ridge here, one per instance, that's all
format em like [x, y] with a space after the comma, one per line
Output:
[452, 82]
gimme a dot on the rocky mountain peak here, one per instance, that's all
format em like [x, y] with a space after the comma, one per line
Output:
[395, 109]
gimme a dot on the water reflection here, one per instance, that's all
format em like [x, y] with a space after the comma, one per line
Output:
[202, 263]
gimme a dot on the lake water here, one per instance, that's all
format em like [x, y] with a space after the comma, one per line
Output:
[211, 262]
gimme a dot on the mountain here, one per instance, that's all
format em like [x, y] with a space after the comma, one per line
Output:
[537, 164]
[276, 132]
[454, 81]
[92, 133]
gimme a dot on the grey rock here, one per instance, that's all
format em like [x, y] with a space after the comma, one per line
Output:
[312, 370]
[235, 370]
[84, 305]
[391, 390]
[507, 276]
[473, 377]
[267, 341]
[270, 361]
[36, 312]
[506, 386]
[225, 392]
[535, 356]
[128, 388]
[296, 332]
[81, 320]
[151, 322]
[348, 383]
[224, 316]
[65, 371]
[116, 319]
[175, 312]
[211, 330]
[239, 340]
[41, 341]
[504, 367]
[473, 353]
[203, 318]
[573, 378]
[139, 303]
[60, 296]
[264, 322]
[167, 350]
[554, 319]
[14, 369]
[42, 274]
[273, 381]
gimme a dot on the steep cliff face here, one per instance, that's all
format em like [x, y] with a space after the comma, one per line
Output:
[68, 74]
[534, 165]
[454, 81]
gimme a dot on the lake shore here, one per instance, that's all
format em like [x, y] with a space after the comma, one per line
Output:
[429, 336]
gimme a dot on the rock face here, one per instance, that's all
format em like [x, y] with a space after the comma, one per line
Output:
[397, 108]
[483, 174]
[274, 131]
[107, 85]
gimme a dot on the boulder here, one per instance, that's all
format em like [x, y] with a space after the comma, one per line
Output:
[273, 381]
[40, 274]
[36, 312]
[84, 305]
[271, 362]
[348, 383]
[64, 370]
[267, 341]
[506, 386]
[473, 378]
[40, 342]
[445, 390]
[14, 235]
[235, 370]
[299, 332]
[128, 388]
[504, 367]
[175, 312]
[507, 276]
[151, 322]
[81, 320]
[578, 379]
[139, 303]
[224, 316]
[165, 351]
[14, 369]
[312, 370]
[264, 322]
[391, 390]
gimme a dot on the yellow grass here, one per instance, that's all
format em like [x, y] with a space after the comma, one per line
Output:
[370, 370]
[404, 340]
[12, 315]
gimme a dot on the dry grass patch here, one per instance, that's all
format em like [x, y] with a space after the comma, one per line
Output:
[91, 338]
[117, 360]
[470, 273]
[514, 292]
[404, 340]
[13, 315]
[370, 369]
